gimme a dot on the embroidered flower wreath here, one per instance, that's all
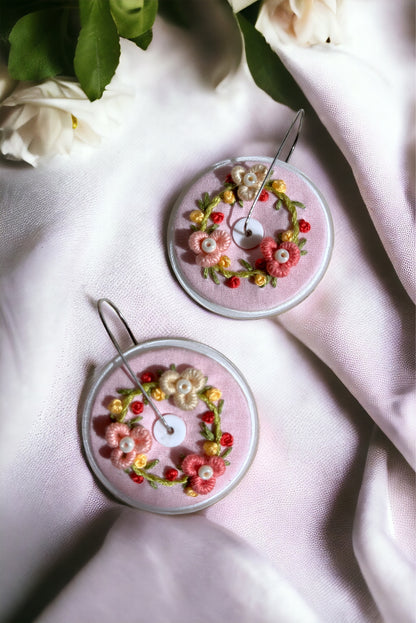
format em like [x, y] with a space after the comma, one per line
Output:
[130, 441]
[209, 243]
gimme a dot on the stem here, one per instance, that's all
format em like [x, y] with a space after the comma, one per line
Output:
[208, 211]
[158, 479]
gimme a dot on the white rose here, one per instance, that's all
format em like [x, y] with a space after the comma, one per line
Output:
[239, 5]
[305, 22]
[40, 120]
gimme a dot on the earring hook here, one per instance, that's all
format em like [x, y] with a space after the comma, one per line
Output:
[100, 304]
[295, 125]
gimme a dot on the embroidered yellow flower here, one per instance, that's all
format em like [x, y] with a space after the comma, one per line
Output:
[210, 448]
[158, 394]
[260, 280]
[115, 407]
[286, 236]
[279, 186]
[140, 461]
[228, 196]
[213, 394]
[224, 262]
[189, 491]
[196, 216]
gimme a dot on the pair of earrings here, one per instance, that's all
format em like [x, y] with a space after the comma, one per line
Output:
[157, 428]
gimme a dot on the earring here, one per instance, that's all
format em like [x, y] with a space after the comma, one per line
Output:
[158, 429]
[244, 267]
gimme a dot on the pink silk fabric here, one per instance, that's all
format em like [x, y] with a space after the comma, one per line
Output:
[322, 527]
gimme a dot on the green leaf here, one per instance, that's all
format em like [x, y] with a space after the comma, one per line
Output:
[298, 204]
[267, 69]
[226, 452]
[303, 252]
[278, 204]
[205, 273]
[246, 265]
[143, 41]
[273, 282]
[98, 48]
[301, 243]
[151, 464]
[125, 14]
[213, 276]
[206, 433]
[36, 50]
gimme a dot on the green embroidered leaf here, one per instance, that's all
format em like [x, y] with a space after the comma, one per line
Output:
[172, 366]
[214, 276]
[220, 406]
[135, 420]
[301, 242]
[273, 281]
[205, 273]
[124, 392]
[206, 433]
[278, 204]
[240, 203]
[267, 69]
[246, 265]
[211, 229]
[303, 252]
[98, 48]
[226, 452]
[298, 204]
[194, 228]
[152, 484]
[227, 463]
[40, 45]
[151, 464]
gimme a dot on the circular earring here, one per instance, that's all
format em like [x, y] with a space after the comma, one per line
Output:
[169, 425]
[245, 266]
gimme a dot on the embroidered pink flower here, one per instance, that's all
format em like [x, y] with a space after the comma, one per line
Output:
[203, 471]
[279, 257]
[208, 248]
[126, 443]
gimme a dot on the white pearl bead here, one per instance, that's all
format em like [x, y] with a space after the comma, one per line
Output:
[184, 386]
[205, 472]
[208, 245]
[126, 444]
[282, 256]
[250, 179]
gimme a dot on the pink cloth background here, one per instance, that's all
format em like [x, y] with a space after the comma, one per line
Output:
[322, 527]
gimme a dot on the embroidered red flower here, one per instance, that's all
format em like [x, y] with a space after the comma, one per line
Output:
[260, 263]
[126, 443]
[279, 257]
[147, 377]
[136, 478]
[229, 179]
[203, 471]
[233, 282]
[171, 473]
[208, 417]
[264, 195]
[209, 248]
[227, 440]
[137, 407]
[304, 226]
[217, 217]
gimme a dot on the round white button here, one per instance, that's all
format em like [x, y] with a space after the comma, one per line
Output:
[250, 179]
[126, 444]
[254, 229]
[208, 245]
[205, 472]
[281, 256]
[183, 386]
[170, 439]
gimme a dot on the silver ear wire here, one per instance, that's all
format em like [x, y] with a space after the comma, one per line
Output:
[296, 126]
[100, 304]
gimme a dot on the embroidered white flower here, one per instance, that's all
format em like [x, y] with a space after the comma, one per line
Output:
[305, 22]
[248, 180]
[183, 386]
[41, 120]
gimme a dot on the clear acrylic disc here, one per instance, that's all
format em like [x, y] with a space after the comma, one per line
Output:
[243, 283]
[221, 427]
